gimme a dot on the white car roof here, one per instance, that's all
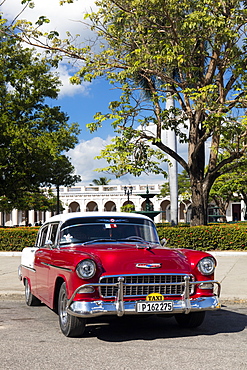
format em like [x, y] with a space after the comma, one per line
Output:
[69, 216]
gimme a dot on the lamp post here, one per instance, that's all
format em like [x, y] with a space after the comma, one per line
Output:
[58, 200]
[171, 141]
[128, 191]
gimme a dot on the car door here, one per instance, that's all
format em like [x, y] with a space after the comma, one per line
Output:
[42, 264]
[53, 268]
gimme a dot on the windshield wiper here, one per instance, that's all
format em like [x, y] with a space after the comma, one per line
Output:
[133, 239]
[99, 240]
[143, 243]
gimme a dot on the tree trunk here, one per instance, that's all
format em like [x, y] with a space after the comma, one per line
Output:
[199, 205]
[58, 200]
[200, 187]
[196, 165]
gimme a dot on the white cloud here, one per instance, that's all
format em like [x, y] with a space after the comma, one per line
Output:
[67, 89]
[64, 18]
[82, 158]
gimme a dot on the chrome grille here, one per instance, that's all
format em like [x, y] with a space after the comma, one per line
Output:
[142, 285]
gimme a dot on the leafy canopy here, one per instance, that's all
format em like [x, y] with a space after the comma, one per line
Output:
[33, 135]
[191, 50]
[195, 50]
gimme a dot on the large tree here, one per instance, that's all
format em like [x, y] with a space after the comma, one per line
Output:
[192, 50]
[33, 134]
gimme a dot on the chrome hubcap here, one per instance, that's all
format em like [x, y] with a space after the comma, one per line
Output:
[63, 312]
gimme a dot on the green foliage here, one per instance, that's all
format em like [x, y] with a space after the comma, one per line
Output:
[38, 201]
[191, 50]
[32, 134]
[231, 186]
[60, 172]
[194, 50]
[15, 239]
[165, 190]
[183, 187]
[129, 154]
[5, 204]
[128, 208]
[211, 237]
[207, 238]
[30, 200]
[101, 181]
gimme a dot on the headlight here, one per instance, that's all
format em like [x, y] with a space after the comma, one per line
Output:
[206, 266]
[86, 269]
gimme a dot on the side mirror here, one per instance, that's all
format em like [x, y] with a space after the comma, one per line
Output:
[163, 242]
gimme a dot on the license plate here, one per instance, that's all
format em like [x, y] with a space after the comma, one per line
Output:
[147, 306]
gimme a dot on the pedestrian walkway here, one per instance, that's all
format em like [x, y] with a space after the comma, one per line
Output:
[231, 272]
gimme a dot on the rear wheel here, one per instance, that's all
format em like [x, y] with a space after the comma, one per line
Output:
[190, 320]
[71, 326]
[30, 299]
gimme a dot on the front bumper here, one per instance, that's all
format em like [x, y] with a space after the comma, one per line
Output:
[100, 308]
[120, 307]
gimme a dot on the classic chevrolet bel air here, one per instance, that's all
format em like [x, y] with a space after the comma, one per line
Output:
[90, 264]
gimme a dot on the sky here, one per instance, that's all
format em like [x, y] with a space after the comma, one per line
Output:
[80, 102]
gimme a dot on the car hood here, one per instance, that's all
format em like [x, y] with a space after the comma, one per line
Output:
[117, 260]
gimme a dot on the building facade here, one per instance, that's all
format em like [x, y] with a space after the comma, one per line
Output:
[110, 198]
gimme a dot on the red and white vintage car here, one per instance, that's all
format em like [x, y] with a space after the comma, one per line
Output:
[86, 265]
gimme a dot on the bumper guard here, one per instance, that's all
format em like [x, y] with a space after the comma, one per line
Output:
[120, 307]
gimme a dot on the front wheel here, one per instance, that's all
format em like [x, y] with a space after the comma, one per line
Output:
[190, 320]
[71, 326]
[30, 299]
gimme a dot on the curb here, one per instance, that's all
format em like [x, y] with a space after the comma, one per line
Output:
[10, 254]
[228, 253]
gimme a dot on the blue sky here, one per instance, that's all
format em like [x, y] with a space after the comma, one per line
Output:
[83, 101]
[82, 107]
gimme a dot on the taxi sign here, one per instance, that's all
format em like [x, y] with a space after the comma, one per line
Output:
[155, 297]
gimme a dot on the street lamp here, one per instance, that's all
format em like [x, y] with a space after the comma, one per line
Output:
[128, 191]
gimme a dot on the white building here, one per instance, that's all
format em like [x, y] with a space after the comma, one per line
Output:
[106, 198]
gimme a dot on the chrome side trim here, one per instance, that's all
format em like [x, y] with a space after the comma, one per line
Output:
[56, 267]
[27, 267]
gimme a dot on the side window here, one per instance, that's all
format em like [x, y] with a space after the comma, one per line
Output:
[43, 235]
[53, 233]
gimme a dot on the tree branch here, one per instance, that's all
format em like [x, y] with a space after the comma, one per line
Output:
[167, 150]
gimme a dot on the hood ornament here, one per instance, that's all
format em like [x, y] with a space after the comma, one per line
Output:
[148, 265]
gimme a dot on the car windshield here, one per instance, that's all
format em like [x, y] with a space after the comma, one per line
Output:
[90, 229]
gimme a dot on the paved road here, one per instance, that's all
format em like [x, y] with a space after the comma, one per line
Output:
[31, 339]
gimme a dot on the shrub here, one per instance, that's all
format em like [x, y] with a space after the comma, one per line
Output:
[15, 239]
[128, 208]
[211, 237]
